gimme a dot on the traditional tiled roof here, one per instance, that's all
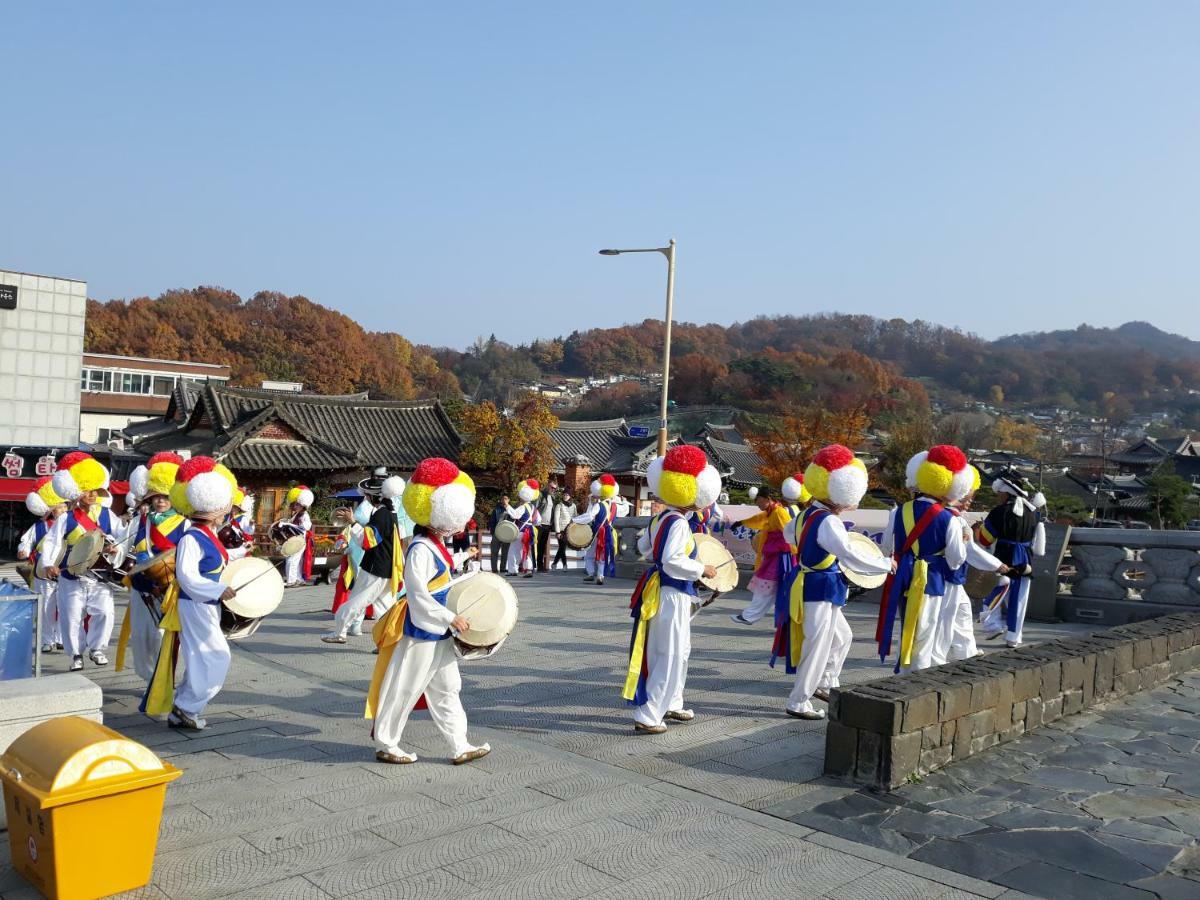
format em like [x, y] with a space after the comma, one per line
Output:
[738, 461]
[255, 430]
[727, 433]
[607, 445]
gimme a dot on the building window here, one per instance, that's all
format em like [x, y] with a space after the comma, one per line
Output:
[104, 435]
[163, 385]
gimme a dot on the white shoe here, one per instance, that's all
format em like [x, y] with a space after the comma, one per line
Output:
[474, 753]
[179, 719]
[77, 664]
[355, 631]
[99, 658]
[599, 581]
[334, 638]
[47, 648]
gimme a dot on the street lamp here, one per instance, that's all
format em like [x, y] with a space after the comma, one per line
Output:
[669, 253]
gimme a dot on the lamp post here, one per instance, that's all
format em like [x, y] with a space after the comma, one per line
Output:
[669, 252]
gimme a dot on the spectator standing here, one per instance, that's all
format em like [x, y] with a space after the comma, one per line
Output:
[545, 526]
[499, 548]
[564, 512]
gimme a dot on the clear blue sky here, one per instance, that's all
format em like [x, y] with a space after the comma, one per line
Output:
[448, 170]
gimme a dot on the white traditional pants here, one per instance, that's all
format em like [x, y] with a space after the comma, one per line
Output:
[932, 643]
[668, 646]
[762, 602]
[47, 591]
[589, 560]
[962, 623]
[368, 589]
[205, 655]
[145, 637]
[421, 667]
[78, 597]
[516, 550]
[997, 619]
[827, 640]
[292, 567]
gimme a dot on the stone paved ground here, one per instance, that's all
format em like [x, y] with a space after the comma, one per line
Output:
[1101, 805]
[281, 796]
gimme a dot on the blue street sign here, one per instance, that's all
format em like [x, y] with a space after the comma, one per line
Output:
[639, 431]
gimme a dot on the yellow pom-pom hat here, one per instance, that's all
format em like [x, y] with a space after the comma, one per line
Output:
[684, 478]
[79, 472]
[529, 490]
[604, 487]
[42, 498]
[793, 489]
[836, 476]
[302, 495]
[181, 493]
[440, 496]
[942, 472]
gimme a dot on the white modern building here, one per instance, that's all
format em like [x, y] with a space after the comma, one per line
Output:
[41, 354]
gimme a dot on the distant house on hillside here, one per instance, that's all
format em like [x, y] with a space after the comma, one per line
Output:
[1148, 455]
[272, 440]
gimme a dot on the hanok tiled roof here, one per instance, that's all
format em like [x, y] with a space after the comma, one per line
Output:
[739, 461]
[607, 445]
[727, 433]
[321, 432]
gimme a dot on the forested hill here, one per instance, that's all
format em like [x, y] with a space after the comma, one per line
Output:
[761, 365]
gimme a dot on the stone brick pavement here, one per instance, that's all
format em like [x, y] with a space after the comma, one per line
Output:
[1100, 805]
[281, 796]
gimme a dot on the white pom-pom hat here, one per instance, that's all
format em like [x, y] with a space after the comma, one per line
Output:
[40, 500]
[529, 490]
[300, 494]
[440, 496]
[209, 492]
[836, 476]
[684, 478]
[139, 478]
[77, 473]
[793, 488]
[392, 487]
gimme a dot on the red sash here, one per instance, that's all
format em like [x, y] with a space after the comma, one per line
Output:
[83, 519]
[212, 537]
[922, 523]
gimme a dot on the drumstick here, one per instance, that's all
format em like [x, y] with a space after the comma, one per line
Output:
[274, 568]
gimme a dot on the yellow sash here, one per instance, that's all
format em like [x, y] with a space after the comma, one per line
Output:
[160, 697]
[123, 640]
[651, 601]
[915, 592]
[796, 610]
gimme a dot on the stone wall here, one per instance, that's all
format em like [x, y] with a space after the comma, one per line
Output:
[884, 733]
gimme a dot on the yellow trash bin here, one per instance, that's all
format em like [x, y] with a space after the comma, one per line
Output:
[84, 806]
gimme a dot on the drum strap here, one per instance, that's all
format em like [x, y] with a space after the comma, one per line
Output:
[909, 606]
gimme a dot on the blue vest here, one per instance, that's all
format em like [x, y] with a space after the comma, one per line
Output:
[820, 585]
[667, 521]
[441, 578]
[212, 563]
[930, 546]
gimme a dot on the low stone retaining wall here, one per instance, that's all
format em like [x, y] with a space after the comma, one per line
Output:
[884, 733]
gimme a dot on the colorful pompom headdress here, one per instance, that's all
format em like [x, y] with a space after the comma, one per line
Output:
[529, 490]
[942, 472]
[793, 489]
[216, 486]
[604, 487]
[684, 478]
[836, 476]
[392, 488]
[77, 473]
[440, 496]
[300, 494]
[966, 485]
[42, 498]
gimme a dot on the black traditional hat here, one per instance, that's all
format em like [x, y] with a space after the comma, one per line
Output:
[373, 486]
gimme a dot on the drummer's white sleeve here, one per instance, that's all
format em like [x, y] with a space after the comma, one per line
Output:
[589, 515]
[888, 543]
[978, 558]
[25, 546]
[426, 613]
[676, 562]
[188, 555]
[832, 538]
[306, 522]
[52, 547]
[789, 531]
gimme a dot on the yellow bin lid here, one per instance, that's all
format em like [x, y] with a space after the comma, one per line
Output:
[71, 759]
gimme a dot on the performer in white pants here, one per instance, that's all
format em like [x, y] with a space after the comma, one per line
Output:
[82, 481]
[522, 553]
[602, 510]
[418, 659]
[199, 560]
[811, 632]
[298, 567]
[664, 599]
[1015, 533]
[381, 570]
[154, 530]
[48, 507]
[926, 539]
[958, 628]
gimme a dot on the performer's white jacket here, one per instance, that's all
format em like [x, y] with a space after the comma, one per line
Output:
[420, 666]
[45, 589]
[669, 641]
[294, 562]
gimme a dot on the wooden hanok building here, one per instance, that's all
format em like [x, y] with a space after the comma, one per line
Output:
[273, 439]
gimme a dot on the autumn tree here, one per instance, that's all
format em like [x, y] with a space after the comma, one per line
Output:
[694, 377]
[508, 448]
[904, 441]
[788, 443]
[1016, 437]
